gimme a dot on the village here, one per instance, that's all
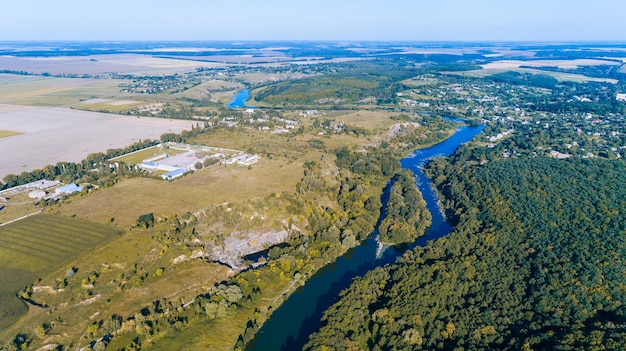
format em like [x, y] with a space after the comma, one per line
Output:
[573, 129]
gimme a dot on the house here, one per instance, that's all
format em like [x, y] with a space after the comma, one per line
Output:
[621, 97]
[68, 189]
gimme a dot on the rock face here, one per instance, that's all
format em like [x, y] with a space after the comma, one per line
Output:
[233, 250]
[400, 129]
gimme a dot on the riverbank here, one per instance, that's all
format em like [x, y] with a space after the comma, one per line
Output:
[299, 316]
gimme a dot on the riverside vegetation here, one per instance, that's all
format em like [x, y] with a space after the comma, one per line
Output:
[533, 262]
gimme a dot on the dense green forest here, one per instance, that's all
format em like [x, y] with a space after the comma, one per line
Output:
[534, 263]
[406, 215]
[362, 82]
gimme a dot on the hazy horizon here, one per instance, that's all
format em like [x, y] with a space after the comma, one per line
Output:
[324, 20]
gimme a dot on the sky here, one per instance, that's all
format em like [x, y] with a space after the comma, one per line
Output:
[406, 20]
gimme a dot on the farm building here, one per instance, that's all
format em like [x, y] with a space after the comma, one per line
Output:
[243, 159]
[173, 174]
[37, 194]
[68, 189]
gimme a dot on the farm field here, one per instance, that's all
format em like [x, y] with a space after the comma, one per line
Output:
[52, 91]
[516, 66]
[565, 64]
[99, 64]
[35, 246]
[568, 77]
[141, 155]
[46, 132]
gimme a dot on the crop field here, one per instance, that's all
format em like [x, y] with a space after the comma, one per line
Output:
[51, 91]
[568, 77]
[98, 64]
[110, 106]
[516, 66]
[46, 132]
[34, 246]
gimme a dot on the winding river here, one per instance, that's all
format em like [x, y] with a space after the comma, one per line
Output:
[299, 316]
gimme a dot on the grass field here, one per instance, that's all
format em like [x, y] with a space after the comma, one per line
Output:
[8, 133]
[370, 120]
[130, 198]
[212, 87]
[139, 156]
[17, 206]
[33, 247]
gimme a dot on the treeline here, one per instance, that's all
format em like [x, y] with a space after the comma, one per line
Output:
[59, 75]
[534, 263]
[93, 169]
[405, 216]
[597, 71]
[516, 78]
[349, 83]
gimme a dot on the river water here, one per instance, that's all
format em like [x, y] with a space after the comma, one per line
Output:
[240, 99]
[291, 324]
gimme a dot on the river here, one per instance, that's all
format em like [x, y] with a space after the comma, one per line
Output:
[240, 99]
[289, 327]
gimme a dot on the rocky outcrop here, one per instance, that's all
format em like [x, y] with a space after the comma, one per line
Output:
[235, 247]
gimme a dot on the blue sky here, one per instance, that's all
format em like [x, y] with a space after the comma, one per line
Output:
[416, 20]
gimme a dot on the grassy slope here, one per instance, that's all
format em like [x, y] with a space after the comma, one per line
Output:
[33, 247]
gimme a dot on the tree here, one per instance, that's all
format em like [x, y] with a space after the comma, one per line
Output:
[146, 220]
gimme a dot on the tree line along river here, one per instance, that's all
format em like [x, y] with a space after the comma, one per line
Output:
[290, 325]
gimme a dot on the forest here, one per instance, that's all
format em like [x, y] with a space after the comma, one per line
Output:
[406, 217]
[534, 263]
